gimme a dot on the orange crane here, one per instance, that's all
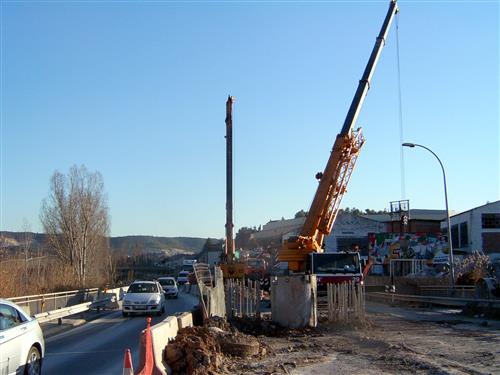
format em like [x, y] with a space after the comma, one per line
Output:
[334, 179]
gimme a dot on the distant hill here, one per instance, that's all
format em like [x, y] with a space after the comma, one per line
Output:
[128, 244]
[145, 243]
[13, 239]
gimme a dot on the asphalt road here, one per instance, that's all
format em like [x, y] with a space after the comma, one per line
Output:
[98, 346]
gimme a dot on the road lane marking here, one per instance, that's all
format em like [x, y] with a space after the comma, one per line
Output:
[82, 328]
[85, 352]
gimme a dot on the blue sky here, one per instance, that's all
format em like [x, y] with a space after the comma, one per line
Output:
[137, 91]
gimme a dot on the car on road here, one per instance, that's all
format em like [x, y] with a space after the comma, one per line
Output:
[169, 286]
[21, 341]
[144, 297]
[183, 278]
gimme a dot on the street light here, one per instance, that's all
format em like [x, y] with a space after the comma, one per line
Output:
[452, 267]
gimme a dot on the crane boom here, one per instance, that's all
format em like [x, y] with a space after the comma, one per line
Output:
[333, 181]
[364, 83]
[231, 267]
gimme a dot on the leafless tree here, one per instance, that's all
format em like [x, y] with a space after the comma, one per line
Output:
[111, 274]
[26, 246]
[75, 219]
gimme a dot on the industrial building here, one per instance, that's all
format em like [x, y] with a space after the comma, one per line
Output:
[476, 229]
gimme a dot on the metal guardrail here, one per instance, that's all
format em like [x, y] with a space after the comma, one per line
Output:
[458, 291]
[67, 311]
[39, 303]
[435, 300]
[51, 306]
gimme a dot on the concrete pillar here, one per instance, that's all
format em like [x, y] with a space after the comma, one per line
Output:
[293, 301]
[216, 296]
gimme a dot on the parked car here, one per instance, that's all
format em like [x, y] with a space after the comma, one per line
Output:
[144, 297]
[21, 341]
[169, 286]
[183, 278]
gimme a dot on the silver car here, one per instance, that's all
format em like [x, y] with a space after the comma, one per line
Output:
[144, 297]
[169, 286]
[21, 341]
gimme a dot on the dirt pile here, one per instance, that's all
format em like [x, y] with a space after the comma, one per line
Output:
[204, 350]
[263, 327]
[194, 351]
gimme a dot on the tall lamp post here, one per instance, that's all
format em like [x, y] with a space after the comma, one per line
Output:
[450, 252]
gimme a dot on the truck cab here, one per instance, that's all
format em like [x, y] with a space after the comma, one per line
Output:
[335, 268]
[188, 265]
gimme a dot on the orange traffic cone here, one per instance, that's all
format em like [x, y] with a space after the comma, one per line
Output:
[127, 364]
[146, 358]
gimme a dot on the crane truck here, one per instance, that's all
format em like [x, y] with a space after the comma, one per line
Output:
[304, 253]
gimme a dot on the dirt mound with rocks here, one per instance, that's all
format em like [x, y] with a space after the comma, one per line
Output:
[204, 350]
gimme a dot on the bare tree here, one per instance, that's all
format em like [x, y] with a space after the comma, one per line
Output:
[75, 219]
[26, 246]
[111, 268]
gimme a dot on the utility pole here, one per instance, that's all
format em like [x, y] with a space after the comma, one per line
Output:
[229, 180]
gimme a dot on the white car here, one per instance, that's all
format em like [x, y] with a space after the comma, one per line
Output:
[144, 297]
[169, 286]
[183, 278]
[21, 341]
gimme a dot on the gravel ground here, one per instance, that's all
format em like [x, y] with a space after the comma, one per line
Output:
[393, 341]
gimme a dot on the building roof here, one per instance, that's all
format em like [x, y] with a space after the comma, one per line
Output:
[277, 228]
[415, 214]
[475, 208]
[285, 223]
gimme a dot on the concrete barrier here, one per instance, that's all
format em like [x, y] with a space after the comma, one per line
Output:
[161, 334]
[185, 320]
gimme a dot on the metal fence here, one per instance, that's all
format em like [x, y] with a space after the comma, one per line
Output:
[204, 281]
[346, 302]
[433, 300]
[242, 297]
[405, 267]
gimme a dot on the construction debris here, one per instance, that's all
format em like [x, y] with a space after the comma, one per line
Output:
[472, 268]
[203, 350]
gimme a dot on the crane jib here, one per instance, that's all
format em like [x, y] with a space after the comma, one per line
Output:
[364, 83]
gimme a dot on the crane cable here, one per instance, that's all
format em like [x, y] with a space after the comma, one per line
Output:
[402, 160]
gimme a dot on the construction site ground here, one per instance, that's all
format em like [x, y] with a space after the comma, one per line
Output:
[394, 340]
